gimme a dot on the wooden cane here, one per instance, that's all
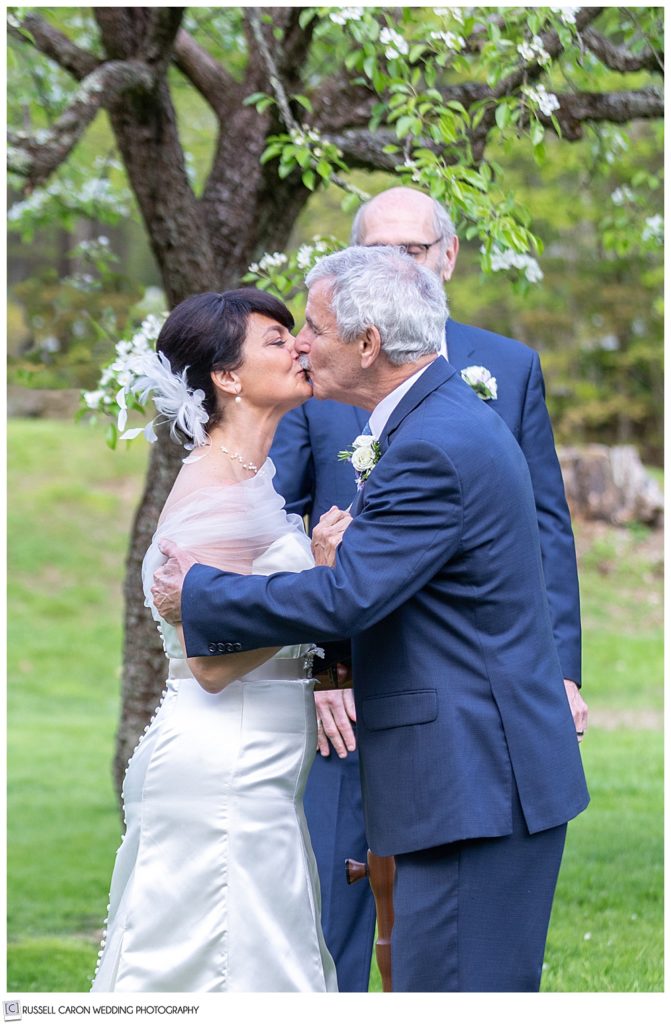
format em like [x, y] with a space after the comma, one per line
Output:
[380, 872]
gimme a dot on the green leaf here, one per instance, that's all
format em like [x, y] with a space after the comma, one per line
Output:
[352, 59]
[306, 16]
[537, 132]
[111, 435]
[379, 80]
[502, 115]
[270, 152]
[304, 102]
[404, 125]
[253, 98]
[350, 202]
[309, 180]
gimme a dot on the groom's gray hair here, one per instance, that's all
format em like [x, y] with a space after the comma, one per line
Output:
[377, 286]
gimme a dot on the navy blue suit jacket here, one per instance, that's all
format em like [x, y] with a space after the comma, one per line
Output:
[438, 581]
[311, 479]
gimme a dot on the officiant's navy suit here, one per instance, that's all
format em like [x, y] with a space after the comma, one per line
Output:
[464, 730]
[311, 479]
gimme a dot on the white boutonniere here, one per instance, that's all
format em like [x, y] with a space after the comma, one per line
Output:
[364, 454]
[480, 379]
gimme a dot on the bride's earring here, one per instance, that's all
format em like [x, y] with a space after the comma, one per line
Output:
[237, 399]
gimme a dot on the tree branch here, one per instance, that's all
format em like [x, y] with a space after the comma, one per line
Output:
[162, 31]
[288, 118]
[53, 44]
[618, 58]
[616, 107]
[35, 157]
[205, 73]
[363, 148]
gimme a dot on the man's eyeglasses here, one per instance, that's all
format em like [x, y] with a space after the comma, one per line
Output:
[418, 250]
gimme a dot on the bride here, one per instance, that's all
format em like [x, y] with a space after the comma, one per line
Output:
[215, 886]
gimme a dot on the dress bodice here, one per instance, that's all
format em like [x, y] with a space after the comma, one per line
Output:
[241, 527]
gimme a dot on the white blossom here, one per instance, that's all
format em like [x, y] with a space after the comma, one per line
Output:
[307, 253]
[622, 195]
[345, 14]
[451, 40]
[546, 101]
[396, 45]
[305, 135]
[567, 14]
[93, 399]
[304, 257]
[653, 229]
[534, 50]
[507, 259]
[456, 13]
[270, 260]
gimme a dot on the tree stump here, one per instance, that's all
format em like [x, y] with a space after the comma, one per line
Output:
[610, 484]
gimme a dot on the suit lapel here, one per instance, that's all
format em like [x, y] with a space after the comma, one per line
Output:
[459, 347]
[436, 374]
[357, 503]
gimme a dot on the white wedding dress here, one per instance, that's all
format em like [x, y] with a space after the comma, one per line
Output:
[215, 886]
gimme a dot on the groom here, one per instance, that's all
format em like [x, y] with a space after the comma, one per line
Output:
[469, 759]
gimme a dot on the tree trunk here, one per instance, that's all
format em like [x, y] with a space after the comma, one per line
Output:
[199, 245]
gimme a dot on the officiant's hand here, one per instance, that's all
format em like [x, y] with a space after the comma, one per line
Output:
[168, 581]
[335, 714]
[327, 535]
[578, 707]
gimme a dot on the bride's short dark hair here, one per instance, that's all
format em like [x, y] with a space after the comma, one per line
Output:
[207, 332]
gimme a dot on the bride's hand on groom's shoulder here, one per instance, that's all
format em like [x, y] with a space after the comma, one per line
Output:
[328, 534]
[168, 581]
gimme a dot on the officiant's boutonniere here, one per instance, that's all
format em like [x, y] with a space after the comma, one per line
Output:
[364, 454]
[480, 379]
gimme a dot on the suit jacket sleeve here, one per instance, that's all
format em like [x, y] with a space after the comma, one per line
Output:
[294, 461]
[411, 521]
[554, 523]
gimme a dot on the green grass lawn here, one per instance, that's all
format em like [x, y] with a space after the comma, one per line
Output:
[70, 505]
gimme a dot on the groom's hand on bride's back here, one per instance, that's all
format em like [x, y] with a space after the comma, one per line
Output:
[168, 581]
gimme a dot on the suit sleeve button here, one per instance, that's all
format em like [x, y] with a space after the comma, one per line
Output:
[237, 647]
[212, 648]
[221, 648]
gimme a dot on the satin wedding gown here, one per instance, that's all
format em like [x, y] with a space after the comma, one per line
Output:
[215, 886]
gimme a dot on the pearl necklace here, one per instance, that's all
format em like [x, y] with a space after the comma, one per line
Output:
[238, 458]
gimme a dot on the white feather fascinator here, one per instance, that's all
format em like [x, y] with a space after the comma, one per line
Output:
[177, 404]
